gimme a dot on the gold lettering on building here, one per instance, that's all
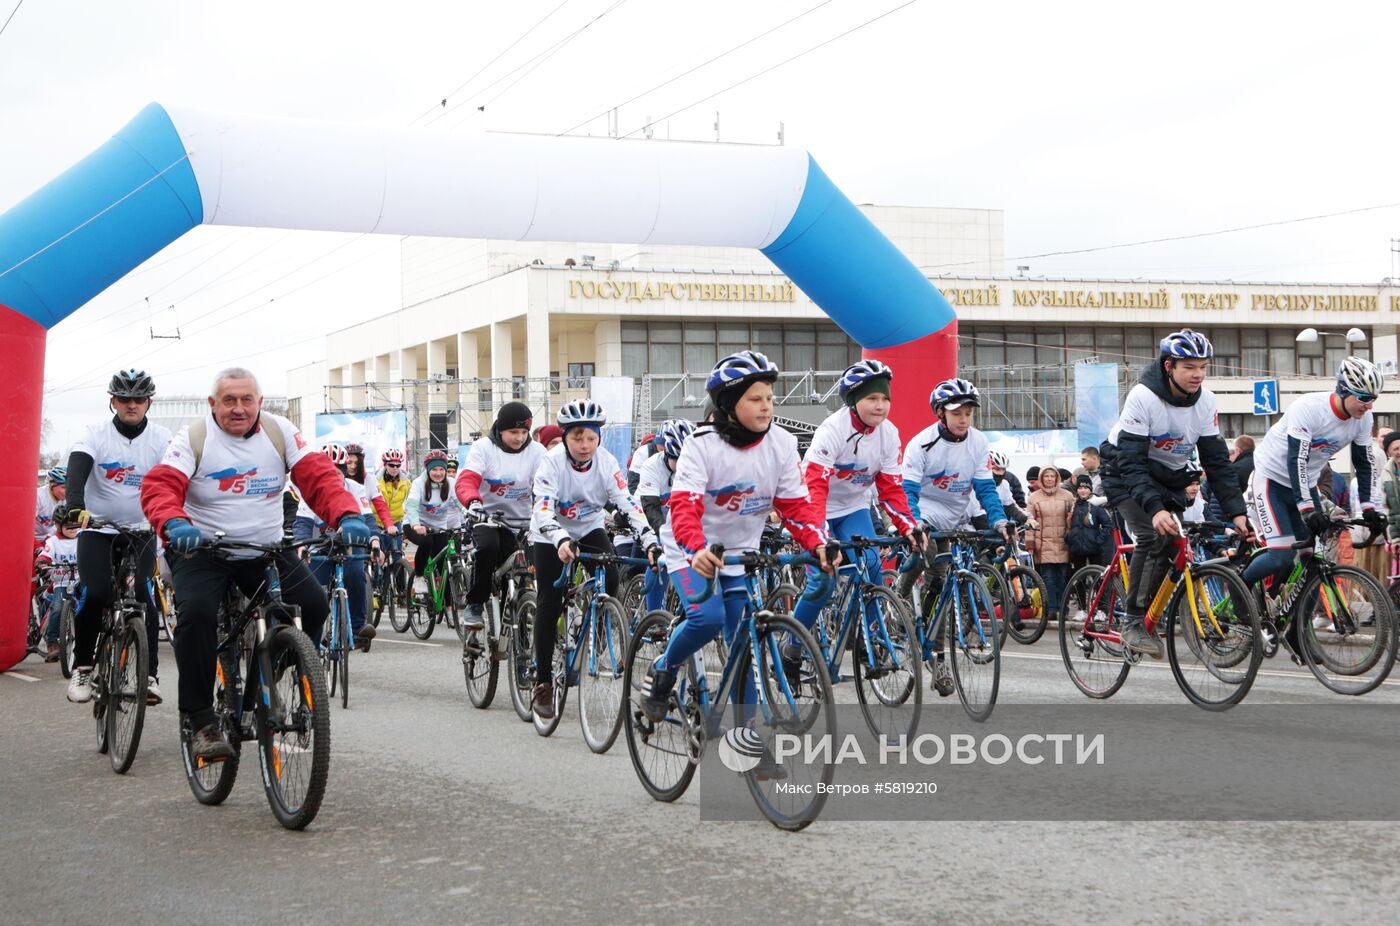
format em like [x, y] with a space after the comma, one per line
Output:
[636, 291]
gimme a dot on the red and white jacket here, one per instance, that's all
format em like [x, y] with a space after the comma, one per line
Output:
[848, 461]
[236, 487]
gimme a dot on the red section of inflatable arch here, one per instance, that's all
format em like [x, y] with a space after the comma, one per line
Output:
[918, 367]
[22, 346]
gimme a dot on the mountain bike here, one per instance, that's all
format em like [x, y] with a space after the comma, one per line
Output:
[337, 639]
[269, 686]
[1023, 615]
[448, 581]
[58, 610]
[962, 619]
[483, 651]
[780, 699]
[121, 670]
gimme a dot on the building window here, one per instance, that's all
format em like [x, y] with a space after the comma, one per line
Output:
[579, 375]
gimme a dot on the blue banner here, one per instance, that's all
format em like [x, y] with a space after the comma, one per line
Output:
[1095, 401]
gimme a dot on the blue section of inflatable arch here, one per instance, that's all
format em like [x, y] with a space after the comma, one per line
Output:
[847, 266]
[87, 228]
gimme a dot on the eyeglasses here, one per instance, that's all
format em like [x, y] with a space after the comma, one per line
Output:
[129, 399]
[391, 465]
[1364, 399]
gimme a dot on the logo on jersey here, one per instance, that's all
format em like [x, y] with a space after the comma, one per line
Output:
[855, 473]
[231, 480]
[943, 480]
[301, 442]
[575, 508]
[1174, 444]
[504, 488]
[120, 473]
[740, 497]
[1325, 445]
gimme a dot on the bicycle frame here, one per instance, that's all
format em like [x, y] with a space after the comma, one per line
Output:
[960, 558]
[848, 604]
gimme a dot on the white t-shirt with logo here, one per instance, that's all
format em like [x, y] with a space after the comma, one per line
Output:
[43, 513]
[113, 489]
[1171, 430]
[569, 502]
[854, 460]
[360, 492]
[507, 479]
[1322, 435]
[435, 511]
[737, 486]
[237, 487]
[63, 553]
[944, 473]
[656, 479]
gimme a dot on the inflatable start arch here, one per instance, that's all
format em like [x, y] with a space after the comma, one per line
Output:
[170, 170]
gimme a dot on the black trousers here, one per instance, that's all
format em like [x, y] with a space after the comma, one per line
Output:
[426, 549]
[97, 561]
[550, 600]
[493, 546]
[201, 583]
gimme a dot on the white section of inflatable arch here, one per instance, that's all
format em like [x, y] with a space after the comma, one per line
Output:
[265, 172]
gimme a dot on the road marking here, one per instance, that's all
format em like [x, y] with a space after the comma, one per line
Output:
[1164, 665]
[20, 675]
[404, 642]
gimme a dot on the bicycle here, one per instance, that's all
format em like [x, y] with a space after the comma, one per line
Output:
[164, 596]
[1211, 627]
[280, 700]
[391, 583]
[1345, 621]
[965, 614]
[665, 753]
[338, 639]
[448, 580]
[885, 665]
[121, 670]
[59, 604]
[590, 650]
[1023, 616]
[498, 640]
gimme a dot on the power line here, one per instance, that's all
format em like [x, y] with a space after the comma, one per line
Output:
[12, 16]
[771, 68]
[1209, 234]
[697, 67]
[488, 64]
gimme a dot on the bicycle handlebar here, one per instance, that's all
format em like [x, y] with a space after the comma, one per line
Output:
[758, 560]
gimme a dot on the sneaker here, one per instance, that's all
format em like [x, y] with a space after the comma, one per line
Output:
[80, 685]
[792, 664]
[942, 676]
[54, 652]
[1136, 638]
[473, 618]
[364, 635]
[208, 743]
[153, 690]
[656, 693]
[768, 768]
[543, 701]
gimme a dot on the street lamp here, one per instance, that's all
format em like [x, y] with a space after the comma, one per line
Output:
[1310, 335]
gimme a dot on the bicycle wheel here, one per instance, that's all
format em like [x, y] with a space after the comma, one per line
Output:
[126, 703]
[294, 744]
[561, 679]
[65, 637]
[664, 753]
[522, 676]
[601, 667]
[630, 594]
[804, 708]
[400, 584]
[452, 610]
[480, 668]
[974, 643]
[1353, 649]
[1089, 625]
[211, 782]
[1026, 592]
[1214, 649]
[887, 666]
[421, 617]
[997, 593]
[461, 574]
[102, 673]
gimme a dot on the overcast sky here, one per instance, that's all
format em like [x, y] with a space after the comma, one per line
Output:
[1089, 124]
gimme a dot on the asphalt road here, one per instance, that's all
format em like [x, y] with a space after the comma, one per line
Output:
[439, 812]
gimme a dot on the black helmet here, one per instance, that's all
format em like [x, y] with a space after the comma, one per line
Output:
[131, 384]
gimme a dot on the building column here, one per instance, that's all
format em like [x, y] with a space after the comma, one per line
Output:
[537, 357]
[335, 396]
[382, 375]
[502, 363]
[607, 348]
[358, 397]
[468, 389]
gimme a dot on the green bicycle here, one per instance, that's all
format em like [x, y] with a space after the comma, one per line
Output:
[448, 577]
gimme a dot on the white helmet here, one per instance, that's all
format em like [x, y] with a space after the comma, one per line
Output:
[582, 413]
[1361, 378]
[998, 459]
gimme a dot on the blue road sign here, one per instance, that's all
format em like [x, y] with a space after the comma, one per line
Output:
[1266, 397]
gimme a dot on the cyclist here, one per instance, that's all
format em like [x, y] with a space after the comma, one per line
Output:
[50, 494]
[505, 465]
[432, 503]
[1167, 416]
[373, 502]
[997, 462]
[945, 465]
[393, 486]
[648, 448]
[550, 436]
[306, 526]
[733, 471]
[226, 473]
[106, 468]
[856, 452]
[1290, 459]
[60, 550]
[572, 486]
[654, 490]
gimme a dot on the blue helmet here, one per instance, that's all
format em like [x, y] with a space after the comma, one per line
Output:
[673, 434]
[743, 368]
[1186, 345]
[953, 393]
[582, 413]
[58, 475]
[860, 372]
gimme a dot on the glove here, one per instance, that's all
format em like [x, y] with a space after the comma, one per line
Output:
[353, 531]
[78, 516]
[1317, 521]
[182, 536]
[476, 509]
[654, 553]
[1375, 520]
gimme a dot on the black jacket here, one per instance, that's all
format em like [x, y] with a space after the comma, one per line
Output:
[1128, 472]
[1244, 467]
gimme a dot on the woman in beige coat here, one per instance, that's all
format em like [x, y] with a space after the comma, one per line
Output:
[1050, 507]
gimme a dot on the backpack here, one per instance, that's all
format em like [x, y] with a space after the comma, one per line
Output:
[199, 432]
